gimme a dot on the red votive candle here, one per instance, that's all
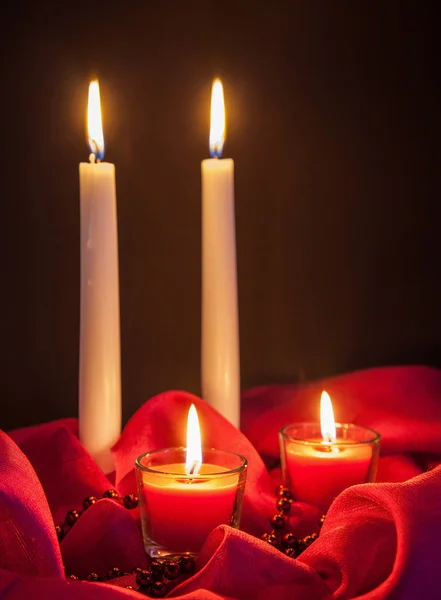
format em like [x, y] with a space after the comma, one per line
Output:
[185, 493]
[179, 510]
[320, 460]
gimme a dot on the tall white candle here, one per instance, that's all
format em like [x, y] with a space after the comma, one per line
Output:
[99, 376]
[220, 362]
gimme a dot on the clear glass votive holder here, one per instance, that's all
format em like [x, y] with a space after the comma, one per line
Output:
[179, 511]
[317, 471]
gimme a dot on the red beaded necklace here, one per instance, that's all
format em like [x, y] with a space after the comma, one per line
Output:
[157, 579]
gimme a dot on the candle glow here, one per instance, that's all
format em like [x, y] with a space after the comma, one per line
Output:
[217, 121]
[327, 421]
[194, 452]
[94, 121]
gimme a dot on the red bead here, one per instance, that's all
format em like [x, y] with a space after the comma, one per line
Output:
[172, 569]
[272, 540]
[72, 517]
[158, 589]
[291, 552]
[60, 532]
[187, 564]
[284, 505]
[93, 577]
[277, 521]
[322, 520]
[129, 587]
[289, 540]
[130, 501]
[156, 567]
[113, 494]
[308, 539]
[114, 572]
[73, 577]
[87, 502]
[137, 570]
[283, 492]
[143, 578]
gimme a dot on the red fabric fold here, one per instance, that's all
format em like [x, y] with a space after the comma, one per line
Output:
[379, 542]
[28, 543]
[65, 469]
[105, 536]
[382, 541]
[234, 561]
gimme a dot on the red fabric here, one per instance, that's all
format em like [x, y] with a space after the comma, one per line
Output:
[380, 541]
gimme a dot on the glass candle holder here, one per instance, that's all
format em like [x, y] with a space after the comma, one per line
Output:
[317, 471]
[178, 510]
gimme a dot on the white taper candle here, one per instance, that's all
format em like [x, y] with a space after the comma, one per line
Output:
[220, 360]
[100, 371]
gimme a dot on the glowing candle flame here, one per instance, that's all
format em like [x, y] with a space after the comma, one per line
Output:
[194, 451]
[217, 126]
[327, 421]
[94, 121]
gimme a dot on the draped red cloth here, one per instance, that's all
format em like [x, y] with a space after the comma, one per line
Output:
[379, 541]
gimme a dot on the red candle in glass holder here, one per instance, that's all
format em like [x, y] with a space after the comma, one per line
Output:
[320, 460]
[183, 498]
[183, 512]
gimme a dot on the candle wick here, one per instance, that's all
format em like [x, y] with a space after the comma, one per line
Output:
[193, 467]
[92, 158]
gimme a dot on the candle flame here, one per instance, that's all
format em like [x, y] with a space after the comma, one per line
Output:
[94, 121]
[194, 452]
[217, 126]
[327, 421]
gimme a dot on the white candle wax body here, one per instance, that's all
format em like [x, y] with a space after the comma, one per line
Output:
[220, 367]
[100, 370]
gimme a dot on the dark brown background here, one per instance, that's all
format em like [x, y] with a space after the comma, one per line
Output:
[334, 126]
